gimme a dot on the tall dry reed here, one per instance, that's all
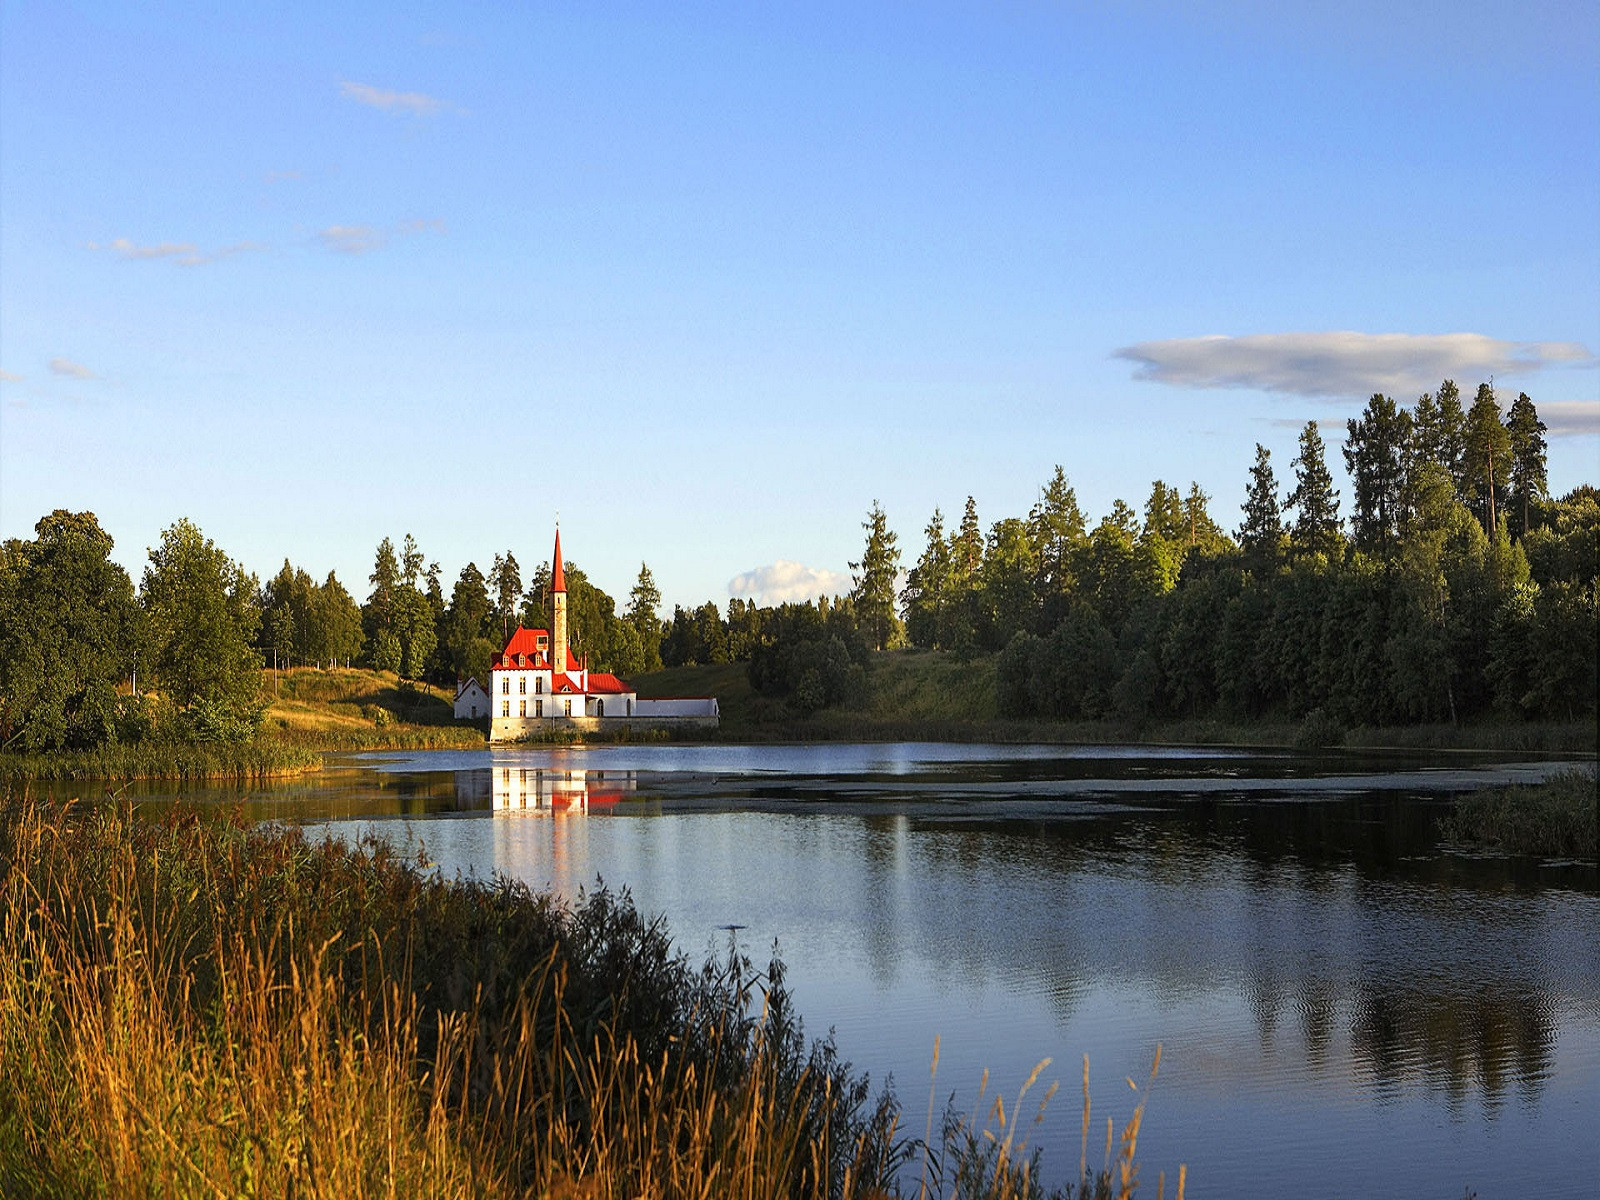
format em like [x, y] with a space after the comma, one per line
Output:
[200, 1008]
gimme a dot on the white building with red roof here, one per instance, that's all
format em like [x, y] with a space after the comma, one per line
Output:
[537, 682]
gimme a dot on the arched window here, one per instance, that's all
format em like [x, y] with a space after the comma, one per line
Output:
[599, 708]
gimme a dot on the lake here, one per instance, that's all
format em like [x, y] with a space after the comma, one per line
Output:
[1345, 1007]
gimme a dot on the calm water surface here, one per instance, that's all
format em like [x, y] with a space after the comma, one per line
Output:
[1346, 1007]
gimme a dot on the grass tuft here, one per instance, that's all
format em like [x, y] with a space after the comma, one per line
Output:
[1552, 819]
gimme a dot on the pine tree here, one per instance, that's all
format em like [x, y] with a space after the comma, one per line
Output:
[1164, 516]
[1439, 432]
[1376, 451]
[873, 593]
[505, 580]
[411, 559]
[1316, 503]
[1529, 481]
[1202, 533]
[377, 616]
[1488, 459]
[1262, 530]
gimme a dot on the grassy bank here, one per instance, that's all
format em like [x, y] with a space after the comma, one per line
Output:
[203, 1008]
[1552, 819]
[358, 709]
[933, 696]
[308, 711]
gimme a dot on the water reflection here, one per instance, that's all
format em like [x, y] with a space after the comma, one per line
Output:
[1339, 996]
[520, 788]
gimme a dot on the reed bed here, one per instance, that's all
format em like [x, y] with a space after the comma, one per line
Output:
[1555, 818]
[201, 1007]
[260, 759]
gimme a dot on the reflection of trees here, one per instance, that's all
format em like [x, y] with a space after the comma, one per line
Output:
[1490, 1039]
[1338, 961]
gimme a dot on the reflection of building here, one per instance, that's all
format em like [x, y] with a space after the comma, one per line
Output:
[537, 682]
[520, 788]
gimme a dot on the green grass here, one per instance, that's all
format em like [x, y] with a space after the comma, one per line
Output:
[197, 1007]
[1552, 819]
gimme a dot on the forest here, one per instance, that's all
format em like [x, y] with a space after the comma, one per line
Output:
[1456, 588]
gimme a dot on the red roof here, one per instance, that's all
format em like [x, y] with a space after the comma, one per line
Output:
[600, 682]
[523, 641]
[558, 573]
[565, 685]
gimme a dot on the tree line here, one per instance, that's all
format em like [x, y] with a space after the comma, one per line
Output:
[1457, 587]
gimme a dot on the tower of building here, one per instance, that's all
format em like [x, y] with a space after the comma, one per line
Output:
[558, 610]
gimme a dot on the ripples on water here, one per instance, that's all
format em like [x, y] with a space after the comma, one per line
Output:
[1346, 1007]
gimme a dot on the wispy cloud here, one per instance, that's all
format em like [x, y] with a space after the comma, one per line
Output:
[415, 103]
[284, 176]
[9, 377]
[359, 239]
[1571, 418]
[72, 370]
[1343, 364]
[184, 254]
[783, 582]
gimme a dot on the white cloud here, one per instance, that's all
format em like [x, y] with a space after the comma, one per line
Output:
[785, 582]
[352, 239]
[1570, 418]
[8, 377]
[72, 370]
[1343, 364]
[185, 254]
[415, 103]
[358, 239]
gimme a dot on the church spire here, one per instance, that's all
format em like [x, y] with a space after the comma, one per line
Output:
[558, 609]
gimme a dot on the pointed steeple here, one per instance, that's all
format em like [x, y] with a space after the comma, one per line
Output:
[558, 573]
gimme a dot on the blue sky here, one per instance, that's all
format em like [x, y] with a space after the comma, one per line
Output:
[710, 280]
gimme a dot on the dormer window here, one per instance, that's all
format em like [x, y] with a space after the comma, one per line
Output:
[543, 643]
[522, 659]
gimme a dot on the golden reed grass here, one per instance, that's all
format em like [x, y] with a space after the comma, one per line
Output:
[188, 1010]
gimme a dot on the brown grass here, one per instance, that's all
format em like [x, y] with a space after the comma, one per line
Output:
[205, 1009]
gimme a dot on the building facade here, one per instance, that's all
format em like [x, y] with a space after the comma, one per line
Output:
[536, 683]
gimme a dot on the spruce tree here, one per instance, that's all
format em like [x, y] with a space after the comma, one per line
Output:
[926, 597]
[1439, 432]
[1263, 519]
[1529, 481]
[1316, 503]
[873, 593]
[642, 615]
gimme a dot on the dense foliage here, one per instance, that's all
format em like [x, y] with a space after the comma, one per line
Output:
[1457, 587]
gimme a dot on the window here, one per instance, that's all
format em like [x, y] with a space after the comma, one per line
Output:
[505, 708]
[505, 686]
[522, 659]
[543, 643]
[522, 684]
[566, 708]
[538, 708]
[538, 685]
[522, 708]
[599, 708]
